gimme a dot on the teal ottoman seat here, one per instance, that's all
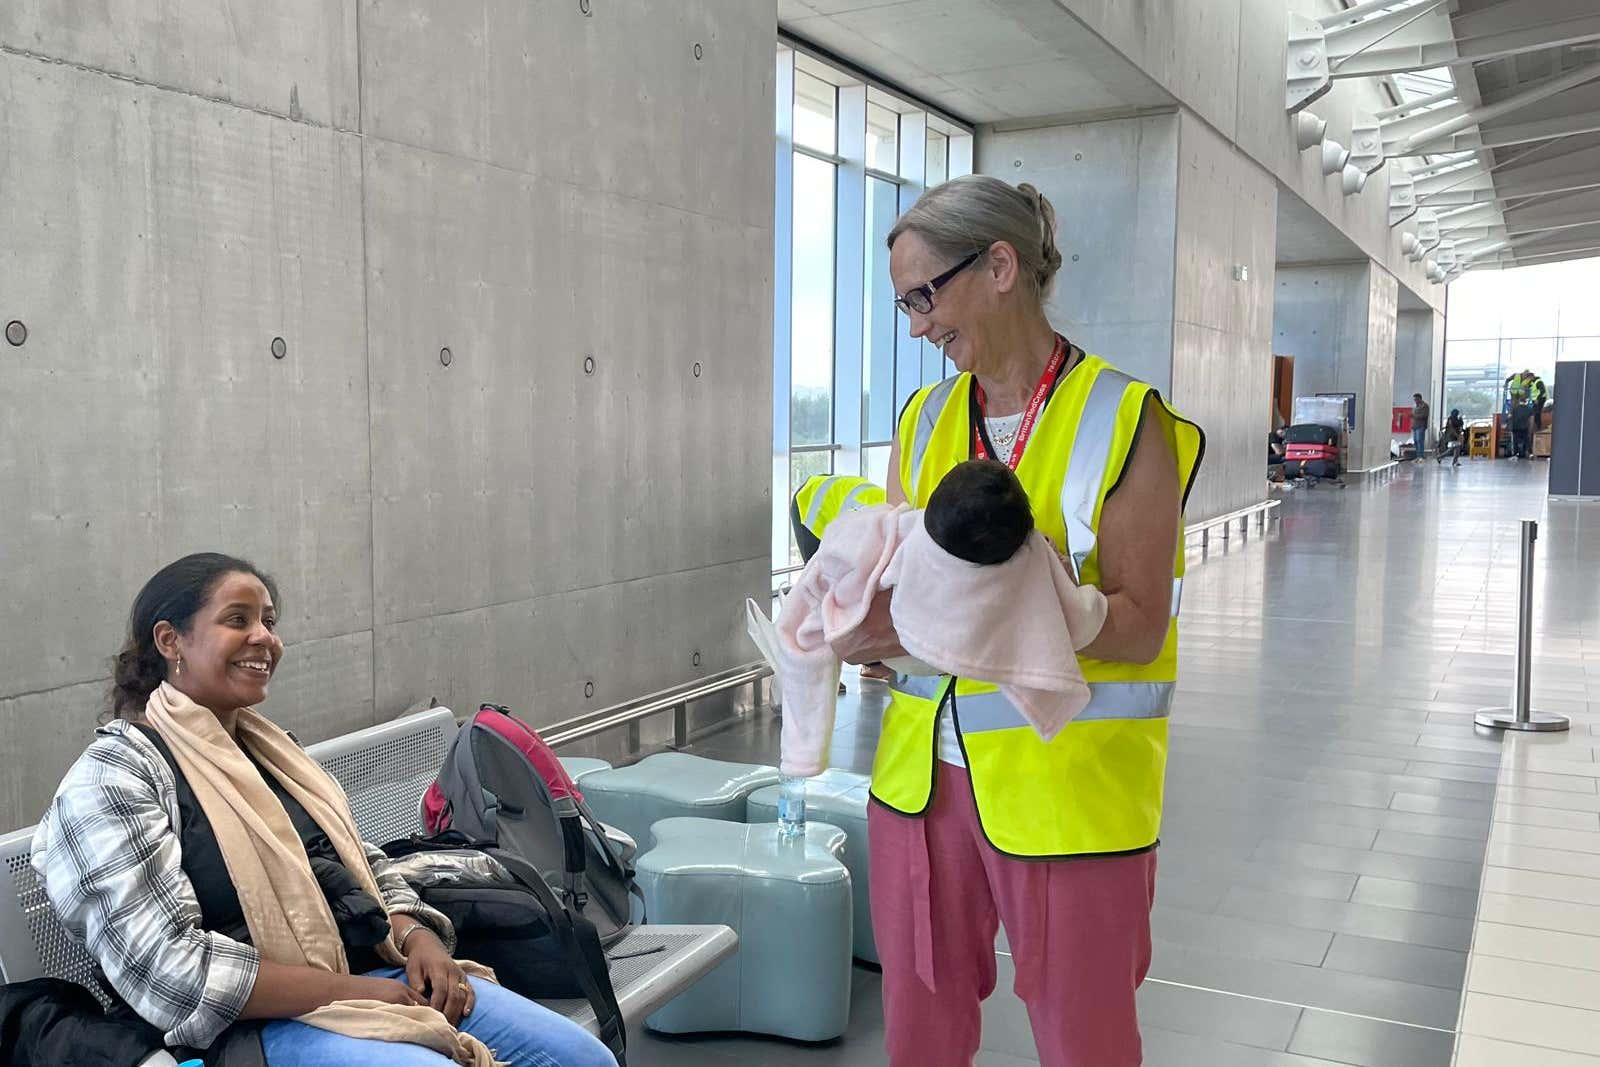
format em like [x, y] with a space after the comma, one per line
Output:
[671, 784]
[839, 798]
[788, 900]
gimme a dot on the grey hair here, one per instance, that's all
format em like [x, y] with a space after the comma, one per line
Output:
[967, 215]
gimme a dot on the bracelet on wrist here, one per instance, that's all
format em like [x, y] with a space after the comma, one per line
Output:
[400, 945]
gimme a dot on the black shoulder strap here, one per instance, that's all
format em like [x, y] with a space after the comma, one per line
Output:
[587, 958]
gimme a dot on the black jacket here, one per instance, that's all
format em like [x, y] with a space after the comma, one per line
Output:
[48, 1022]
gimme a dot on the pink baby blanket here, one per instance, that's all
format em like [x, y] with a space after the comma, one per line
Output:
[1017, 624]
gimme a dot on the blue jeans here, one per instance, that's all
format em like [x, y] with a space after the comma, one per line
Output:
[1419, 437]
[519, 1031]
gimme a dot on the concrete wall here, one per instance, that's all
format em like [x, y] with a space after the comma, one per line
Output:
[1419, 357]
[1155, 213]
[1222, 337]
[1338, 322]
[1114, 186]
[374, 182]
[1382, 297]
[1226, 60]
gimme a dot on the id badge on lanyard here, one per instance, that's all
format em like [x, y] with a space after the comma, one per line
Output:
[1030, 414]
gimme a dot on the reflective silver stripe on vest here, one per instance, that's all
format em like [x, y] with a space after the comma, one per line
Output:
[922, 686]
[927, 419]
[815, 507]
[1177, 596]
[1086, 468]
[978, 712]
[852, 499]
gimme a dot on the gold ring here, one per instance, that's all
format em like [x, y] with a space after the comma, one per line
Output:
[462, 986]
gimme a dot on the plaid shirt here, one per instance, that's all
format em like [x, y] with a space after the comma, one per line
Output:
[108, 853]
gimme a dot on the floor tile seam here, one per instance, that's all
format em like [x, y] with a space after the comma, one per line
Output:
[1536, 896]
[1288, 1003]
[1486, 954]
[1327, 866]
[1521, 1044]
[1301, 1007]
[1342, 759]
[1595, 908]
[1467, 990]
[1518, 846]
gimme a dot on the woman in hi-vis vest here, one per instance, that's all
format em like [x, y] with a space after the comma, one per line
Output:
[976, 820]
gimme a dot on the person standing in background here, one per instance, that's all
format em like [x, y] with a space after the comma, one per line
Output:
[1419, 424]
[1451, 437]
[1521, 425]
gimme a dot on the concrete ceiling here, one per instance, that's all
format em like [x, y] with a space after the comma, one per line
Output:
[1543, 157]
[1304, 236]
[983, 61]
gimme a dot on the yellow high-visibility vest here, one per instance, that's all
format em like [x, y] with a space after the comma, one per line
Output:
[1096, 788]
[824, 497]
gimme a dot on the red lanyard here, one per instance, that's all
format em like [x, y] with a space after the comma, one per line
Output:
[1030, 415]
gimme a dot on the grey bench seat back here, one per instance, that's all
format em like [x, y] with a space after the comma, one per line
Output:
[384, 769]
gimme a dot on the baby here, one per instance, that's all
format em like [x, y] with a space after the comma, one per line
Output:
[979, 513]
[978, 592]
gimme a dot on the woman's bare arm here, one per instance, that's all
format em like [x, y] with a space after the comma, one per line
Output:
[1138, 540]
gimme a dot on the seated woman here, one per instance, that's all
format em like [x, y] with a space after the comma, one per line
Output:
[214, 873]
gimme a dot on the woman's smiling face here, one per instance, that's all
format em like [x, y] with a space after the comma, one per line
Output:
[228, 655]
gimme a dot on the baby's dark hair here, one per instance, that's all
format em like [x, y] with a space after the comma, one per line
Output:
[979, 512]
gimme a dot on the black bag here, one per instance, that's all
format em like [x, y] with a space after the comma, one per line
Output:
[1311, 433]
[513, 922]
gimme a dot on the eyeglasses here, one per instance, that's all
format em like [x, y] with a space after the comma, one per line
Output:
[920, 299]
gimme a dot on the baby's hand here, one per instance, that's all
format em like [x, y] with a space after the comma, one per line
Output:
[1066, 561]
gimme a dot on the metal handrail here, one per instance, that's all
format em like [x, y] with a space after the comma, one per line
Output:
[676, 699]
[1233, 516]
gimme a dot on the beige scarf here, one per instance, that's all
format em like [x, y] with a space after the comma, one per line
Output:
[284, 907]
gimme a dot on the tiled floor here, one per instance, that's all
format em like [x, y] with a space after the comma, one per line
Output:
[1329, 801]
[1533, 979]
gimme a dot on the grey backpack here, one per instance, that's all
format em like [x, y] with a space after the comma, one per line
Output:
[501, 783]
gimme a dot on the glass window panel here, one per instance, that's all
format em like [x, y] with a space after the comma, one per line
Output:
[938, 162]
[1528, 307]
[816, 112]
[1472, 377]
[1577, 348]
[1537, 354]
[876, 464]
[962, 168]
[811, 332]
[1474, 307]
[1577, 283]
[781, 540]
[877, 393]
[803, 465]
[883, 136]
[817, 406]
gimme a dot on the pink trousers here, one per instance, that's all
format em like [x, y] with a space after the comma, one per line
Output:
[1078, 930]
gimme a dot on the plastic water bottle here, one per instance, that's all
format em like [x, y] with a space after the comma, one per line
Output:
[791, 806]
